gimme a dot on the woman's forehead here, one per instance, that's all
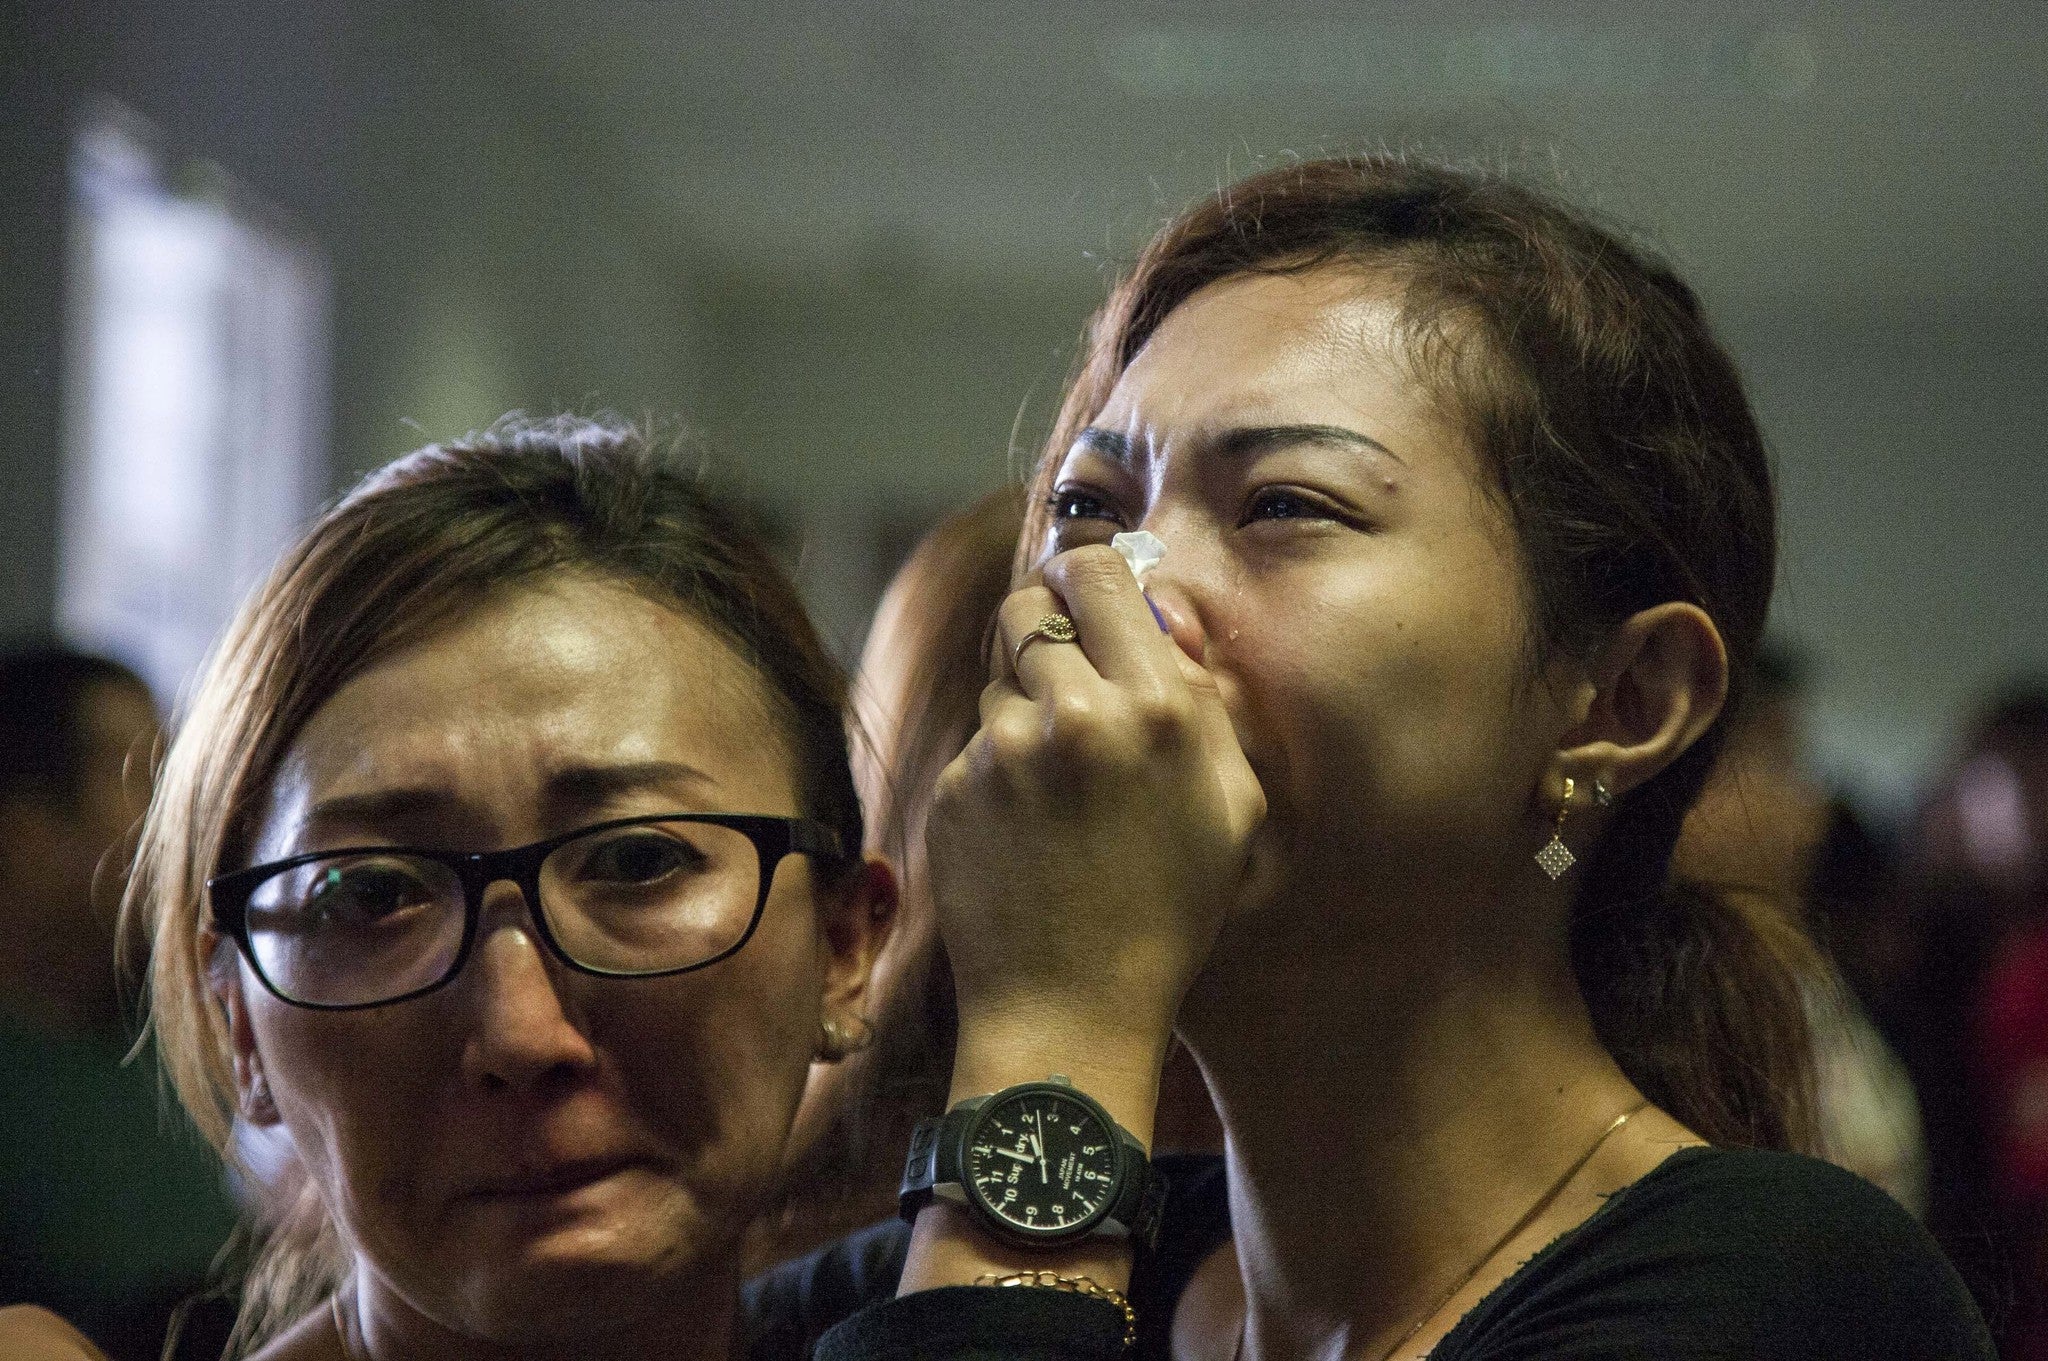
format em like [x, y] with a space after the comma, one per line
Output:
[1257, 346]
[537, 685]
[1250, 356]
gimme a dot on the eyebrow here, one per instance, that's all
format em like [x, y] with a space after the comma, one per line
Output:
[378, 808]
[1242, 442]
[580, 789]
[569, 792]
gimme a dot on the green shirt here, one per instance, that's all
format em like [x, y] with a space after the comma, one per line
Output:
[110, 1203]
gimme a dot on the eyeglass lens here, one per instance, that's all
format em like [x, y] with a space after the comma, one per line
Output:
[357, 929]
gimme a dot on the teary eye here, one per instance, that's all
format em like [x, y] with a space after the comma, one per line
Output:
[1078, 503]
[639, 858]
[1285, 503]
[363, 894]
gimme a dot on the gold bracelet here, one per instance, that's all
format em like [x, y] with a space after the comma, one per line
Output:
[1078, 1285]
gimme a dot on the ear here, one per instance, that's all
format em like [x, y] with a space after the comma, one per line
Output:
[252, 1086]
[1659, 684]
[857, 924]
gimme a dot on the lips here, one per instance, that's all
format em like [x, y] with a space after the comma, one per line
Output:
[550, 1179]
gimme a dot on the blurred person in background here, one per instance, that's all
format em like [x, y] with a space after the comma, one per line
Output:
[1760, 820]
[1971, 1013]
[1764, 825]
[110, 1209]
[913, 707]
[78, 743]
[509, 861]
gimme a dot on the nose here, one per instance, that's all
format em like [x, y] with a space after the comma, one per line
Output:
[524, 1035]
[1179, 617]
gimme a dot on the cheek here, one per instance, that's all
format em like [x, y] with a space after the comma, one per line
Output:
[715, 1062]
[356, 1093]
[1386, 696]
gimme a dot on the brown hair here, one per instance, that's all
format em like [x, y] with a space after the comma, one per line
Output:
[413, 547]
[1630, 465]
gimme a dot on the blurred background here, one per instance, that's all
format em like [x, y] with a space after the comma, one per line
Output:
[248, 252]
[852, 244]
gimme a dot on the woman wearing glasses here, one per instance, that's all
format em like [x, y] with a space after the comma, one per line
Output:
[1468, 536]
[508, 869]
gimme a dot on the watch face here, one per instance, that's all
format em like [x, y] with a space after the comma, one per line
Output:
[1042, 1162]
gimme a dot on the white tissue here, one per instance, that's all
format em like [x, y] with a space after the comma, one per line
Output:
[1142, 549]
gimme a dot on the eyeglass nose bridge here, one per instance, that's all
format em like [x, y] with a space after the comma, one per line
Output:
[519, 867]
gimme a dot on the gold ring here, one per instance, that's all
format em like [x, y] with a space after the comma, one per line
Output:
[1054, 628]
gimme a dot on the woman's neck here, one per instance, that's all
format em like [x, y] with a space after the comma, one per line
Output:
[697, 1321]
[1395, 1117]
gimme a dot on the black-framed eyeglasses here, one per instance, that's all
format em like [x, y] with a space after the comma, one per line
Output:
[642, 897]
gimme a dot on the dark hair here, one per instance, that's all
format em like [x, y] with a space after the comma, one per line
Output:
[1626, 457]
[43, 686]
[412, 548]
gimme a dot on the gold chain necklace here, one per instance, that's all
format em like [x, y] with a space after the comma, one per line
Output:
[1528, 1217]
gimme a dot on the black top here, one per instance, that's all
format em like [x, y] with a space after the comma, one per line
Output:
[1714, 1254]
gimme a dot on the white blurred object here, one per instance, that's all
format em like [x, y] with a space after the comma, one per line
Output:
[195, 403]
[1991, 800]
[264, 1157]
[1142, 549]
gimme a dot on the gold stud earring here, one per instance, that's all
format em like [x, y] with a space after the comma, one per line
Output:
[837, 1038]
[1556, 857]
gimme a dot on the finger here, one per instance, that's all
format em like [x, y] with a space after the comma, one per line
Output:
[1118, 628]
[996, 693]
[1043, 665]
[1218, 736]
[1011, 728]
[994, 646]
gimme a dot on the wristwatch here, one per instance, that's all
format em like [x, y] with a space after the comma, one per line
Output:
[1039, 1164]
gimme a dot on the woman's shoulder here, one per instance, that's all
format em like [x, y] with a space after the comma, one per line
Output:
[1723, 1252]
[788, 1307]
[1742, 1205]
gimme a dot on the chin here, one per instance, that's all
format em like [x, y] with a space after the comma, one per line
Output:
[590, 1275]
[560, 1295]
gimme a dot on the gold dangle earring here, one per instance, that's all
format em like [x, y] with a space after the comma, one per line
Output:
[1556, 857]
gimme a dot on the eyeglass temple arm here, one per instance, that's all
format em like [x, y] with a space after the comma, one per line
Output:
[814, 838]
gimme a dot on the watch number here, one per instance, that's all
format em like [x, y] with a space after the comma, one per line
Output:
[1041, 1162]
